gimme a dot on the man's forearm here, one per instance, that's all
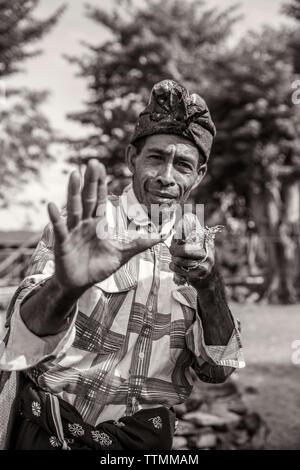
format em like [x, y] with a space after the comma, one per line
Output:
[214, 312]
[46, 312]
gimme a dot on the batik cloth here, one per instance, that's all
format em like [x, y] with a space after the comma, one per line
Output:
[45, 422]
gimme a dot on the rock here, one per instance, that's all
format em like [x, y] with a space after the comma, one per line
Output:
[207, 441]
[251, 390]
[225, 442]
[214, 391]
[224, 420]
[180, 409]
[203, 419]
[192, 439]
[260, 438]
[215, 417]
[194, 403]
[219, 408]
[232, 403]
[179, 442]
[230, 420]
[240, 293]
[186, 428]
[205, 408]
[254, 297]
[240, 437]
[252, 422]
[238, 407]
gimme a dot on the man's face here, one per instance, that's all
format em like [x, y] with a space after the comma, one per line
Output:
[165, 171]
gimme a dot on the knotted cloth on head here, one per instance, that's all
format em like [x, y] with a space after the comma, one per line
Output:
[172, 110]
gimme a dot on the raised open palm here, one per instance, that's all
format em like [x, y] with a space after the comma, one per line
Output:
[81, 257]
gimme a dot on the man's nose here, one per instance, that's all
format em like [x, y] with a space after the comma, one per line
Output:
[166, 176]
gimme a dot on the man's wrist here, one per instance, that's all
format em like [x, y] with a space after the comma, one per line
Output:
[214, 312]
[71, 294]
[49, 310]
[206, 283]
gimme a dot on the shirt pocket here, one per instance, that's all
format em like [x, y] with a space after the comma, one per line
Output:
[102, 329]
[183, 315]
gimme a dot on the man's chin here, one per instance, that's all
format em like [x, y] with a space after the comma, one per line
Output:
[162, 210]
[162, 202]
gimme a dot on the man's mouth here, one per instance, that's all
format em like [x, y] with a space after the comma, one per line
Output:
[157, 194]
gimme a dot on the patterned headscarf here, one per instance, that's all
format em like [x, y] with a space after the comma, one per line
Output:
[172, 110]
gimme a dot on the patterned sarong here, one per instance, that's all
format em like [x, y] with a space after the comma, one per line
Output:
[46, 422]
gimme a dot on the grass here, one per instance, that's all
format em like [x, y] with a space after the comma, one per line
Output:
[268, 333]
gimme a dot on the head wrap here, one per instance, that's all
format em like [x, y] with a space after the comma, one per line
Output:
[172, 110]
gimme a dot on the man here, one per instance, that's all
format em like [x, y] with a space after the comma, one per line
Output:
[105, 336]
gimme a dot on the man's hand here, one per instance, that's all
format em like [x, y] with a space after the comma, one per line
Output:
[197, 266]
[81, 257]
[193, 262]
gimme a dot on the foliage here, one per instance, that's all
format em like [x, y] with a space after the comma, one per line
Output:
[257, 123]
[25, 132]
[170, 39]
[292, 9]
[25, 137]
[19, 30]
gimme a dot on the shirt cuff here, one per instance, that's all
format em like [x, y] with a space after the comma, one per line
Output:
[24, 349]
[230, 355]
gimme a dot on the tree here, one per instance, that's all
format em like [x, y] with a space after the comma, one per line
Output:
[25, 132]
[170, 39]
[257, 148]
[25, 138]
[292, 9]
[19, 30]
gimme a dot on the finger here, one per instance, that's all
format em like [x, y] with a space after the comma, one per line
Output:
[140, 244]
[186, 262]
[59, 225]
[177, 269]
[200, 272]
[102, 192]
[187, 250]
[74, 206]
[90, 189]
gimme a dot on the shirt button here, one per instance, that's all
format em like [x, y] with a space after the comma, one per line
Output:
[150, 308]
[141, 355]
[147, 331]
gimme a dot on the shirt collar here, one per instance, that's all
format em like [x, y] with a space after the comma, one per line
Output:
[137, 213]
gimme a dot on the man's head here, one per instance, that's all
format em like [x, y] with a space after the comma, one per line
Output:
[170, 145]
[165, 169]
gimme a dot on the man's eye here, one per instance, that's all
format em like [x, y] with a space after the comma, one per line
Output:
[155, 157]
[185, 165]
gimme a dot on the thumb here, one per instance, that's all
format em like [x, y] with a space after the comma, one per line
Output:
[141, 244]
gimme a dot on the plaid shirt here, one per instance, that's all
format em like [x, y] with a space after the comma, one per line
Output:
[133, 339]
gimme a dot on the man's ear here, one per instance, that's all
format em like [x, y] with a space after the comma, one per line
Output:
[201, 173]
[131, 157]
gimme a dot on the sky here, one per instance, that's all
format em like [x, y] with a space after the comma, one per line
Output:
[68, 92]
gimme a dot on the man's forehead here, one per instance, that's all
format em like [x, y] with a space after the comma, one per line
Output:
[168, 143]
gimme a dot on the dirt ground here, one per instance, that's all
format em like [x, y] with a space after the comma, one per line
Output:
[270, 379]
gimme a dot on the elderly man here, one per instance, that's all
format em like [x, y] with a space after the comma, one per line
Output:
[104, 336]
